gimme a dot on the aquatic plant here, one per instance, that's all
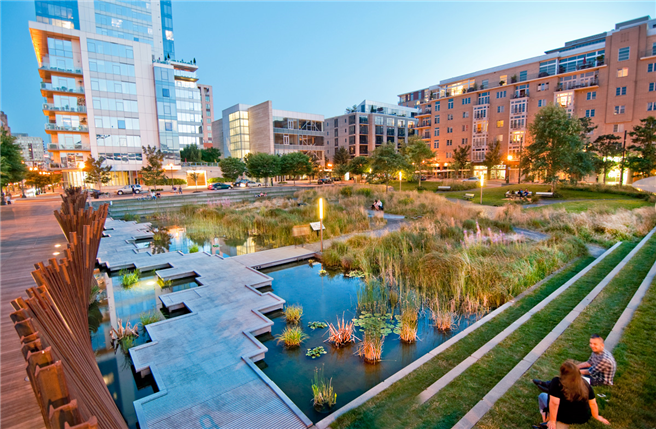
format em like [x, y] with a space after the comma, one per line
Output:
[443, 317]
[317, 325]
[293, 313]
[149, 317]
[130, 278]
[406, 327]
[323, 394]
[126, 343]
[291, 336]
[316, 352]
[376, 327]
[371, 347]
[342, 334]
[322, 272]
[193, 249]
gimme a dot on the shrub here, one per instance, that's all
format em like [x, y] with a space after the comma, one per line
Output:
[129, 217]
[421, 188]
[194, 248]
[291, 336]
[322, 391]
[346, 191]
[219, 180]
[293, 314]
[150, 317]
[363, 191]
[130, 278]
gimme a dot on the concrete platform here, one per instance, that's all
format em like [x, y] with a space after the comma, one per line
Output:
[273, 257]
[202, 362]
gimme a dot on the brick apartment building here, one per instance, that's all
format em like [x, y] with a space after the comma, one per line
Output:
[609, 77]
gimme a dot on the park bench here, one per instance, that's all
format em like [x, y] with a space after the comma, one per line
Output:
[444, 188]
[544, 194]
[469, 196]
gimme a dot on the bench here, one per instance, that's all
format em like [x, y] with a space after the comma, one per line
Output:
[544, 194]
[469, 196]
[444, 188]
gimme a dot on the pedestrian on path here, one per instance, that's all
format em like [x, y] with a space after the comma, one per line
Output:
[180, 189]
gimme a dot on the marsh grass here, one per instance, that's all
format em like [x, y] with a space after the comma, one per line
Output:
[407, 319]
[443, 316]
[129, 278]
[293, 314]
[193, 248]
[291, 336]
[149, 317]
[323, 394]
[342, 334]
[371, 347]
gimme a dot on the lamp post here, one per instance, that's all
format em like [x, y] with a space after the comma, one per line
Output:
[170, 166]
[482, 183]
[508, 169]
[400, 177]
[321, 222]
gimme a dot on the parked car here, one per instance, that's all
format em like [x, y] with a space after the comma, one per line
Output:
[325, 181]
[94, 193]
[218, 185]
[472, 179]
[128, 189]
[243, 183]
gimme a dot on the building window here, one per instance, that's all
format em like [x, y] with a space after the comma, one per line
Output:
[623, 72]
[543, 86]
[465, 114]
[651, 107]
[466, 100]
[485, 83]
[592, 95]
[618, 110]
[450, 104]
[437, 106]
[166, 93]
[437, 119]
[465, 140]
[449, 130]
[465, 127]
[437, 132]
[436, 144]
[503, 80]
[589, 113]
[651, 67]
[623, 54]
[542, 103]
[449, 142]
[121, 124]
[523, 75]
[500, 109]
[618, 128]
[652, 86]
[449, 117]
[501, 94]
[168, 126]
[620, 90]
[499, 124]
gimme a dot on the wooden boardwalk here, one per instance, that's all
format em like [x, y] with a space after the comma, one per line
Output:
[29, 235]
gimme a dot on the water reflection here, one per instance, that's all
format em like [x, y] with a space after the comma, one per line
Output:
[175, 238]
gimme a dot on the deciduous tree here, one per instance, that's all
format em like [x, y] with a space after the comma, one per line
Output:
[295, 164]
[12, 168]
[492, 157]
[417, 152]
[262, 165]
[96, 172]
[191, 153]
[607, 147]
[461, 159]
[232, 168]
[643, 138]
[153, 172]
[210, 154]
[385, 162]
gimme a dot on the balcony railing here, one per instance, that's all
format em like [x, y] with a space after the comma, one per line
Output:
[73, 148]
[77, 109]
[424, 124]
[520, 94]
[199, 164]
[48, 67]
[426, 135]
[50, 87]
[55, 127]
[577, 85]
[424, 112]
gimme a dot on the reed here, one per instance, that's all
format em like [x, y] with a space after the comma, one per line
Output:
[129, 278]
[194, 248]
[291, 336]
[323, 394]
[443, 316]
[407, 320]
[342, 334]
[371, 347]
[293, 314]
[149, 317]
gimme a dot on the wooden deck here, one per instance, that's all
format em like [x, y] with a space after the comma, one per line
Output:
[29, 235]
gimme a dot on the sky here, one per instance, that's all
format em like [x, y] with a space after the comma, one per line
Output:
[320, 57]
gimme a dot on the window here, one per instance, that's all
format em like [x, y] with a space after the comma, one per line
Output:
[651, 106]
[437, 106]
[466, 100]
[653, 48]
[501, 94]
[523, 75]
[500, 109]
[449, 117]
[620, 90]
[543, 86]
[651, 67]
[503, 80]
[542, 103]
[436, 144]
[166, 93]
[623, 72]
[485, 84]
[592, 95]
[390, 122]
[465, 140]
[465, 127]
[437, 119]
[499, 124]
[652, 86]
[618, 110]
[208, 120]
[207, 98]
[589, 113]
[450, 104]
[449, 142]
[466, 114]
[168, 126]
[121, 124]
[437, 132]
[449, 130]
[618, 128]
[623, 54]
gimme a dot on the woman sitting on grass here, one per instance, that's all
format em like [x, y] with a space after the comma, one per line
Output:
[571, 400]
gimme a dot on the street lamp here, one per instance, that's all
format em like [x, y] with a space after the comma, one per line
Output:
[170, 167]
[508, 169]
[400, 177]
[482, 184]
[321, 222]
[81, 165]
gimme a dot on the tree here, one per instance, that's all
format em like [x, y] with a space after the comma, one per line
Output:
[340, 161]
[295, 164]
[210, 154]
[461, 159]
[262, 165]
[96, 173]
[12, 168]
[417, 152]
[358, 165]
[556, 144]
[643, 137]
[352, 109]
[194, 176]
[153, 172]
[191, 153]
[492, 157]
[232, 168]
[607, 147]
[386, 162]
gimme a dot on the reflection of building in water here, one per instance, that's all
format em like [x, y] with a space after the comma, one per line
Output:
[247, 247]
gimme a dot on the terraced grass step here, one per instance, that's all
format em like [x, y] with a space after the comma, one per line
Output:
[396, 407]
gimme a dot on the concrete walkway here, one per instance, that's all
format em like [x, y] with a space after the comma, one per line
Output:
[482, 407]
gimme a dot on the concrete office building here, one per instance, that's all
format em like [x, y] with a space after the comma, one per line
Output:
[111, 85]
[244, 129]
[369, 126]
[609, 77]
[31, 148]
[207, 107]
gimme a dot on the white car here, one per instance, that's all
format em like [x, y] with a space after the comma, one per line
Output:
[472, 179]
[128, 189]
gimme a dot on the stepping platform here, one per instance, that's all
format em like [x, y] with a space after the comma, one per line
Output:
[202, 362]
[273, 257]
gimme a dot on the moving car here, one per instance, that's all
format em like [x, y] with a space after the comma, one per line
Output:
[218, 185]
[128, 189]
[472, 179]
[325, 181]
[243, 183]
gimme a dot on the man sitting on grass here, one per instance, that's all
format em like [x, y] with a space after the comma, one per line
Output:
[599, 368]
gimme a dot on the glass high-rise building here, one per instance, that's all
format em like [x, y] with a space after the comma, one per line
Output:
[111, 84]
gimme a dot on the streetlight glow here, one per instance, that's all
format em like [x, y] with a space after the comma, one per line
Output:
[509, 157]
[321, 208]
[321, 222]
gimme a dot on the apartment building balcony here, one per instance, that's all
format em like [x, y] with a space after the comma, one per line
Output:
[578, 84]
[520, 94]
[54, 128]
[426, 136]
[424, 124]
[49, 107]
[50, 88]
[46, 69]
[54, 147]
[425, 112]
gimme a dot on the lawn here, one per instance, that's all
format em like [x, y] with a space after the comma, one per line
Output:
[632, 403]
[611, 205]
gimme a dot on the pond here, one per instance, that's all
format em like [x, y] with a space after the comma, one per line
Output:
[128, 304]
[324, 299]
[176, 238]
